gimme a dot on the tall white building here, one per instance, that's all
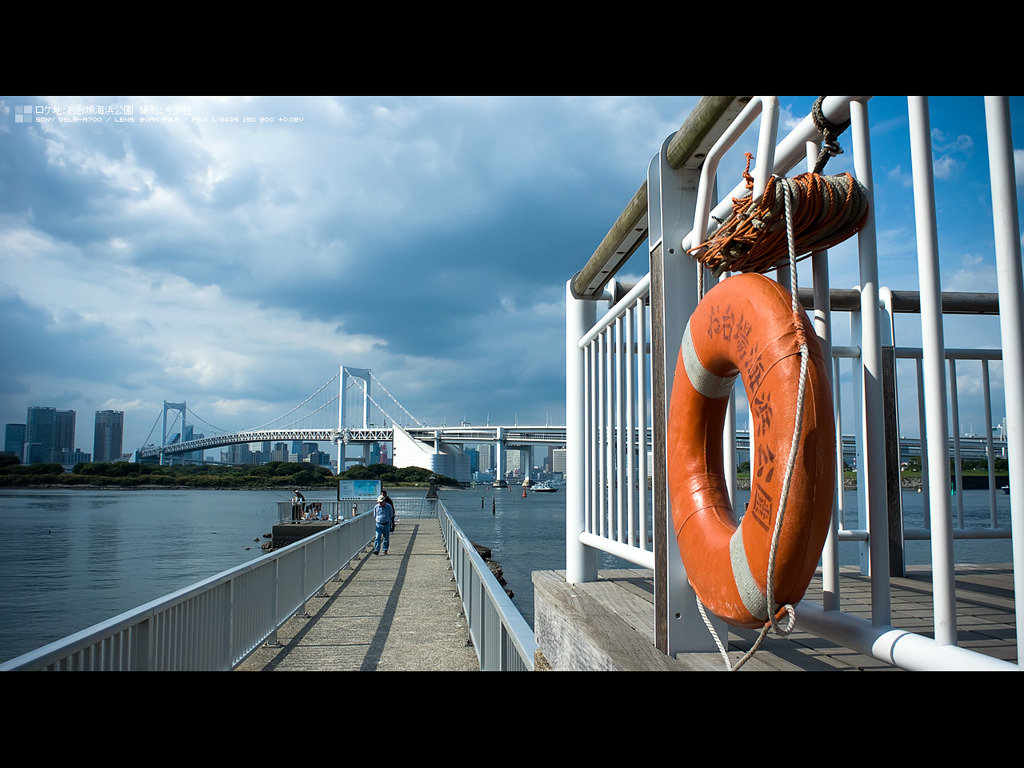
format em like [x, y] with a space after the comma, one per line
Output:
[558, 461]
[486, 463]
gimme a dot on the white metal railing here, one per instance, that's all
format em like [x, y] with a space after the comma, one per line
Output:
[214, 624]
[502, 638]
[987, 447]
[333, 510]
[610, 380]
[616, 370]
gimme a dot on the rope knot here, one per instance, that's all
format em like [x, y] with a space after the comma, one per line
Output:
[746, 171]
[829, 133]
[801, 335]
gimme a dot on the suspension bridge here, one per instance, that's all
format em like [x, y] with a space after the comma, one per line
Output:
[345, 412]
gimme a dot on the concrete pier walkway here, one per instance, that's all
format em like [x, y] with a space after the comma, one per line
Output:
[394, 612]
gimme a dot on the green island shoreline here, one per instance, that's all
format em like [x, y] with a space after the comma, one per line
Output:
[281, 474]
[275, 474]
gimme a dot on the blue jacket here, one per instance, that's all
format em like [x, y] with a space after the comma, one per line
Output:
[383, 513]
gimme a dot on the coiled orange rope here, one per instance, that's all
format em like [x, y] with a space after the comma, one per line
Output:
[826, 211]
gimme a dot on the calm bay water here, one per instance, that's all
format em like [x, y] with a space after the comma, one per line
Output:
[72, 558]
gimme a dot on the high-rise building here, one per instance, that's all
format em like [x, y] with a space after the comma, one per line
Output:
[40, 434]
[517, 461]
[486, 457]
[558, 461]
[64, 432]
[14, 439]
[474, 459]
[239, 453]
[108, 436]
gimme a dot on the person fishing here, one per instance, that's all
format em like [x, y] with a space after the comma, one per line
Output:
[298, 506]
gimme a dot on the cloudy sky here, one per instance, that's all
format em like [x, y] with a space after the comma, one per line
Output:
[233, 252]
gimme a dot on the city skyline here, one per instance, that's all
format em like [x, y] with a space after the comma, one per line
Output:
[164, 248]
[49, 435]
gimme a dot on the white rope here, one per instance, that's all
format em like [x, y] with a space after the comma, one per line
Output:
[711, 629]
[798, 425]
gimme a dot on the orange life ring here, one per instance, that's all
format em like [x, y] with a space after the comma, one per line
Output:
[746, 325]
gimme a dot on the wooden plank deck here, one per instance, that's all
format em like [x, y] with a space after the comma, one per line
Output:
[986, 621]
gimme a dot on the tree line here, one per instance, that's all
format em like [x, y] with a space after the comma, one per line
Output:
[390, 475]
[274, 474]
[127, 474]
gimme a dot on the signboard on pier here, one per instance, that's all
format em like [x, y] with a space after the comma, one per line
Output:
[358, 490]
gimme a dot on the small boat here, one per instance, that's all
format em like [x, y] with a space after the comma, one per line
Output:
[543, 488]
[1006, 490]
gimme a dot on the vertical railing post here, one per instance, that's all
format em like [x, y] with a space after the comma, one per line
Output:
[872, 474]
[580, 316]
[989, 451]
[933, 360]
[1011, 322]
[678, 626]
[823, 328]
[142, 646]
[230, 620]
[275, 588]
[890, 399]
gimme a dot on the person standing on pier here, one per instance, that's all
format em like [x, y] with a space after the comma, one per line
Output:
[394, 512]
[298, 506]
[383, 514]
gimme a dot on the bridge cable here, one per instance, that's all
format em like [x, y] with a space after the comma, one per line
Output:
[289, 413]
[379, 408]
[214, 426]
[418, 422]
[307, 415]
[152, 429]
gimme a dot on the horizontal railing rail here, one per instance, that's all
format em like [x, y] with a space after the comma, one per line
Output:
[332, 510]
[502, 638]
[688, 147]
[214, 624]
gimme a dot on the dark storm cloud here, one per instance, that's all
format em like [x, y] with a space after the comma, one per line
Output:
[427, 238]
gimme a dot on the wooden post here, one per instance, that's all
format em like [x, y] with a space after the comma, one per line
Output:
[893, 487]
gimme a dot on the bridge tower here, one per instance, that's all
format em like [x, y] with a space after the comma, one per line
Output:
[180, 407]
[499, 459]
[364, 375]
[354, 373]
